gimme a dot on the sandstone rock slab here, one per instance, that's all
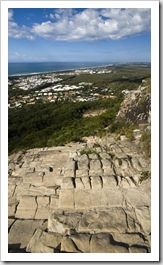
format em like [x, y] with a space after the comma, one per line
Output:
[11, 190]
[129, 238]
[63, 222]
[26, 208]
[66, 199]
[33, 178]
[95, 168]
[67, 183]
[54, 203]
[102, 244]
[22, 190]
[109, 182]
[12, 204]
[79, 183]
[42, 208]
[143, 216]
[83, 162]
[111, 220]
[82, 173]
[82, 241]
[96, 183]
[21, 232]
[137, 197]
[87, 183]
[68, 245]
[135, 249]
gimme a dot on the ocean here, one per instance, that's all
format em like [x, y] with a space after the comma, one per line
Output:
[15, 69]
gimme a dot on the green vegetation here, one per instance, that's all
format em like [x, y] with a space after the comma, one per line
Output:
[88, 152]
[122, 77]
[123, 128]
[144, 176]
[55, 124]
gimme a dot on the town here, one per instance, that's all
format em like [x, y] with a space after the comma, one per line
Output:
[54, 87]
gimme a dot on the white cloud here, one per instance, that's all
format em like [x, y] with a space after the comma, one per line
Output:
[10, 14]
[52, 16]
[94, 24]
[89, 24]
[15, 31]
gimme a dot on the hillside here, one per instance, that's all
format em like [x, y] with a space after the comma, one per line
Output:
[56, 112]
[90, 196]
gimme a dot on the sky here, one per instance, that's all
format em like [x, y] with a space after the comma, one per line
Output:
[79, 35]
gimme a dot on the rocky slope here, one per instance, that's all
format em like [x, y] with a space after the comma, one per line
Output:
[136, 107]
[87, 197]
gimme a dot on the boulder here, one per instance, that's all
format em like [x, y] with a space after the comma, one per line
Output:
[36, 245]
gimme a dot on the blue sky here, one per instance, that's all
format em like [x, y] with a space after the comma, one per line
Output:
[87, 35]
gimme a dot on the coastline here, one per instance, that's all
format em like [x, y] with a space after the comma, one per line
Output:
[58, 71]
[147, 64]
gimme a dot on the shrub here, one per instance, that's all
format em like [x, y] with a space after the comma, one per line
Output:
[144, 175]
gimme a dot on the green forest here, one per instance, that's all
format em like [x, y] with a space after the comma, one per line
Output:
[55, 124]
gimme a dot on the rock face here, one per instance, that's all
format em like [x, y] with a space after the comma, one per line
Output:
[136, 107]
[83, 198]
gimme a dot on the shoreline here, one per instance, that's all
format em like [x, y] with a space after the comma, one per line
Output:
[59, 71]
[74, 69]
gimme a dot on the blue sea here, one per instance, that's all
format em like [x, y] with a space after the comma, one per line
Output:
[16, 69]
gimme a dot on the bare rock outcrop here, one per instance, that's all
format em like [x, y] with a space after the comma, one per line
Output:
[84, 198]
[136, 107]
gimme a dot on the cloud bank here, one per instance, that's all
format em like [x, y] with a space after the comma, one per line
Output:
[86, 25]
